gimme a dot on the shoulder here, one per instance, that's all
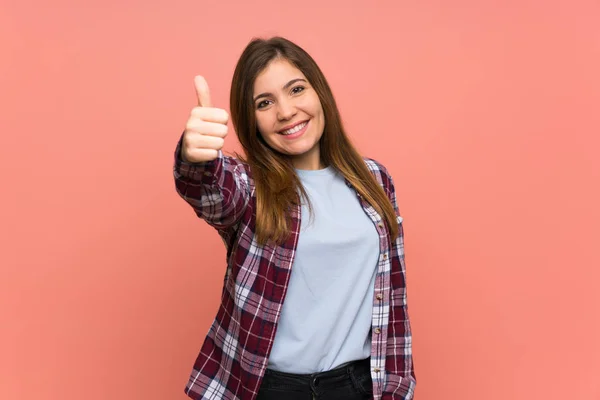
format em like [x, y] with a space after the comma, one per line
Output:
[380, 172]
[375, 166]
[237, 164]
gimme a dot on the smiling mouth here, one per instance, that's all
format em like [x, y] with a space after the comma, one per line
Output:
[295, 129]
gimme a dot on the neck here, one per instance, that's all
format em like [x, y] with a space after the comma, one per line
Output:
[308, 161]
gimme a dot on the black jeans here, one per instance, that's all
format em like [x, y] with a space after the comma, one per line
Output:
[349, 382]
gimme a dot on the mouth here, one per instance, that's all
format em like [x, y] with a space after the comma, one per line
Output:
[294, 129]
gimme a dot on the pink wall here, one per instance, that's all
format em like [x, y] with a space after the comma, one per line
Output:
[486, 113]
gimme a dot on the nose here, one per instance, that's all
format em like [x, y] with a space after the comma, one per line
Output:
[285, 110]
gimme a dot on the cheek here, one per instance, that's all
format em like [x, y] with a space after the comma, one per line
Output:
[264, 130]
[319, 114]
[317, 108]
[263, 123]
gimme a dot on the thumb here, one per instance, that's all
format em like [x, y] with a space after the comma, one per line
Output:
[202, 91]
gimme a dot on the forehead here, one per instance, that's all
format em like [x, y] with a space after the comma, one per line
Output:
[277, 73]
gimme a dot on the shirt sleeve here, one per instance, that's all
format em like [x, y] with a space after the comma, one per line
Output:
[217, 190]
[400, 378]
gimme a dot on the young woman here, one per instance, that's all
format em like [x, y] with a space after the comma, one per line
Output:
[314, 297]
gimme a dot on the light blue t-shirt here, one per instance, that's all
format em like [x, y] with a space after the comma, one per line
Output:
[327, 313]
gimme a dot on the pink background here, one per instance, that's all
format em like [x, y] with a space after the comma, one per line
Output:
[486, 113]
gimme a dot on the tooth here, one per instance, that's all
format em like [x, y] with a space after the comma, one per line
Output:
[295, 129]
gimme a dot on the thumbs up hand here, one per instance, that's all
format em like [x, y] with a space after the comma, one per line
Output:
[206, 128]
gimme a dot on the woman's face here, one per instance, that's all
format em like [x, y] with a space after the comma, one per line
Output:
[289, 114]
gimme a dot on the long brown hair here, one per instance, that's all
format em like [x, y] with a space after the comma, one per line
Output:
[277, 184]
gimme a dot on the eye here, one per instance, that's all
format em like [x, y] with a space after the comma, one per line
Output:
[262, 104]
[298, 89]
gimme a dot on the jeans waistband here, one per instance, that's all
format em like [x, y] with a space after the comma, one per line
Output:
[358, 367]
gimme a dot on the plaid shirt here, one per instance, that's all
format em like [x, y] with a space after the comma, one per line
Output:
[233, 358]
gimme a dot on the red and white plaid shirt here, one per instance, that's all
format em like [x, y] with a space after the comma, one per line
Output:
[233, 358]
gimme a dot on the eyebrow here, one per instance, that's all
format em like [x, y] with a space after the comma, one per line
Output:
[287, 85]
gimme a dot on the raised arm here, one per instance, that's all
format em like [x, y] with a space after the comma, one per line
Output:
[216, 186]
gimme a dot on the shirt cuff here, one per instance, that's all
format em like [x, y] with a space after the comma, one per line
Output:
[203, 173]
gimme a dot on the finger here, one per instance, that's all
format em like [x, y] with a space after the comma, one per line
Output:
[205, 142]
[207, 128]
[196, 155]
[210, 114]
[202, 91]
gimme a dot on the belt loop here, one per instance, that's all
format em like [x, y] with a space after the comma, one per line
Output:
[350, 369]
